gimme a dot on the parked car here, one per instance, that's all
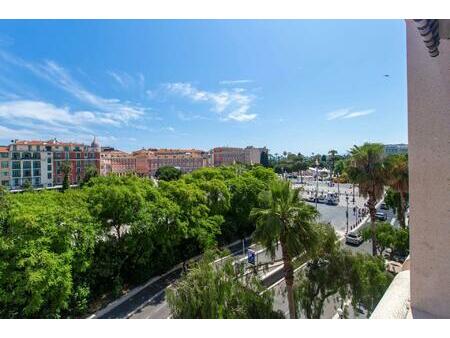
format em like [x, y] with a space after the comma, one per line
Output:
[381, 216]
[383, 206]
[352, 238]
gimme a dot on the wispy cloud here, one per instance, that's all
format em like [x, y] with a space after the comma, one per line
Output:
[347, 113]
[234, 82]
[112, 109]
[233, 104]
[190, 117]
[22, 110]
[127, 81]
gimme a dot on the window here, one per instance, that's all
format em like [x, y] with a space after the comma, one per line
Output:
[4, 173]
[14, 147]
[4, 164]
[36, 164]
[27, 165]
[49, 176]
[29, 148]
[26, 156]
[48, 148]
[38, 148]
[66, 148]
[27, 173]
[49, 160]
[16, 182]
[16, 164]
[49, 167]
[36, 172]
[15, 156]
[16, 173]
[4, 155]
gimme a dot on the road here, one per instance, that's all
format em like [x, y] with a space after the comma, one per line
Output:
[150, 301]
[330, 308]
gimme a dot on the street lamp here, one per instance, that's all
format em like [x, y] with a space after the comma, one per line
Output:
[356, 216]
[353, 193]
[346, 212]
[317, 179]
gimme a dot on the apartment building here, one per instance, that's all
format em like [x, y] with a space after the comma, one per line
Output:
[148, 161]
[394, 149]
[233, 155]
[117, 162]
[41, 162]
[4, 166]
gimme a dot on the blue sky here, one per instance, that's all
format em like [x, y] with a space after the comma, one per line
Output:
[300, 86]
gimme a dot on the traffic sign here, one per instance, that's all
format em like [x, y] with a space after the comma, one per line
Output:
[251, 256]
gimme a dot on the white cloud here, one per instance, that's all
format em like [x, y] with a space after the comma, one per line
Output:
[233, 82]
[23, 110]
[112, 109]
[347, 113]
[232, 104]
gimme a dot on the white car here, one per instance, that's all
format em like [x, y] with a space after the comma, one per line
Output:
[353, 238]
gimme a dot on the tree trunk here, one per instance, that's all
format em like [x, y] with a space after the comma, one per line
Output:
[289, 278]
[372, 210]
[402, 210]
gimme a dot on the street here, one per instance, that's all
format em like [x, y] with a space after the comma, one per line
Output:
[150, 302]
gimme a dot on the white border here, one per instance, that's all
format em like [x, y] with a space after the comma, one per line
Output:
[224, 9]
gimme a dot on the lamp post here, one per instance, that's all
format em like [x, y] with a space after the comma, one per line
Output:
[346, 212]
[317, 180]
[338, 184]
[353, 193]
[356, 216]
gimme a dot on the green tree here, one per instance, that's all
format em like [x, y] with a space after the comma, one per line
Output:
[398, 179]
[265, 159]
[211, 292]
[27, 186]
[282, 217]
[369, 282]
[385, 236]
[331, 159]
[327, 275]
[366, 168]
[90, 172]
[45, 251]
[66, 170]
[388, 237]
[168, 173]
[336, 274]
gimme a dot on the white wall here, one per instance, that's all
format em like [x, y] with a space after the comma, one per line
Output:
[429, 165]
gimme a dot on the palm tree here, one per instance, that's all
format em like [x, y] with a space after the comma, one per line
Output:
[366, 168]
[397, 169]
[286, 220]
[332, 157]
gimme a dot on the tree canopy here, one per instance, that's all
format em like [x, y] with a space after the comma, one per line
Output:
[217, 292]
[168, 173]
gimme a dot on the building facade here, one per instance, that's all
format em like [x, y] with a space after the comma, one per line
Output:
[148, 161]
[394, 149]
[116, 162]
[233, 155]
[4, 166]
[40, 163]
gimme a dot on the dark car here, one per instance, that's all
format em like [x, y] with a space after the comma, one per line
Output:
[381, 216]
[383, 206]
